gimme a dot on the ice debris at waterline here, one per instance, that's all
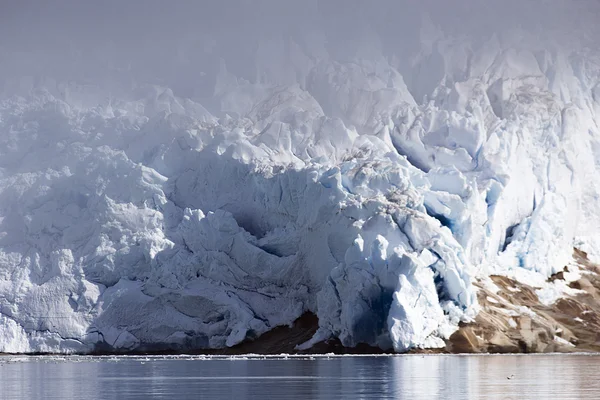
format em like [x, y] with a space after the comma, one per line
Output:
[370, 189]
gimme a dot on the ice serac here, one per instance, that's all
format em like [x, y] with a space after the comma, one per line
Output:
[357, 185]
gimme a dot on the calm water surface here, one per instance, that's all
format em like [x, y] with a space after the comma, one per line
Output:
[400, 377]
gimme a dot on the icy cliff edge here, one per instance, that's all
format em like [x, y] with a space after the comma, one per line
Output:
[369, 190]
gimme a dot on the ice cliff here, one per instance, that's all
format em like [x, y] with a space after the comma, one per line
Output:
[369, 187]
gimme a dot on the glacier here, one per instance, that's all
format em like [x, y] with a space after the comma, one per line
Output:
[370, 185]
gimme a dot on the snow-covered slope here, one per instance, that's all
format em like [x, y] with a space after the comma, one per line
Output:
[370, 190]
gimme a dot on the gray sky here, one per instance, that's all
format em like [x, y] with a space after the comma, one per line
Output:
[160, 40]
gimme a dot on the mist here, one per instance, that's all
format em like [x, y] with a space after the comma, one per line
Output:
[184, 44]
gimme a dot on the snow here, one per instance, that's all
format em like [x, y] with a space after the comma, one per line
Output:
[562, 341]
[491, 300]
[352, 183]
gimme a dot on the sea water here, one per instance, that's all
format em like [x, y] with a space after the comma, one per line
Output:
[305, 377]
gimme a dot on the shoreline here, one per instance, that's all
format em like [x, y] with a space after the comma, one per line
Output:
[207, 357]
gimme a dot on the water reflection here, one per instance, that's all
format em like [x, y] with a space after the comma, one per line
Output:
[408, 377]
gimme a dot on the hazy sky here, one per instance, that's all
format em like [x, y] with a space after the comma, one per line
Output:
[80, 39]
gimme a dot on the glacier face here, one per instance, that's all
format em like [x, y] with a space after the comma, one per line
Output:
[366, 186]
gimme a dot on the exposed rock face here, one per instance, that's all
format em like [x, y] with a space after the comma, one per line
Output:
[513, 320]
